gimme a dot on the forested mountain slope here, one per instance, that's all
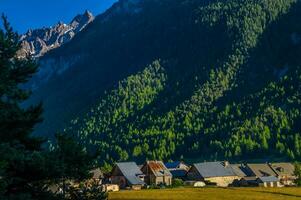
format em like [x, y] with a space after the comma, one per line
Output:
[209, 79]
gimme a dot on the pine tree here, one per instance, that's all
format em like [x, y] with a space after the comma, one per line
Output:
[27, 170]
[21, 162]
[16, 123]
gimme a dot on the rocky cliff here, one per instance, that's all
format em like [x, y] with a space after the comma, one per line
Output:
[37, 42]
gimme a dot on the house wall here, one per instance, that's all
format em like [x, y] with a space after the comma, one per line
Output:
[153, 180]
[119, 180]
[287, 180]
[270, 184]
[222, 181]
[167, 180]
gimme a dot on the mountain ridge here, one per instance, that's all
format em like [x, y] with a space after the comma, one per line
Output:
[35, 43]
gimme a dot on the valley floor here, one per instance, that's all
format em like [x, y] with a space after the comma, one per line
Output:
[210, 194]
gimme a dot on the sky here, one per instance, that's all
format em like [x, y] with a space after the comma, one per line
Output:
[31, 14]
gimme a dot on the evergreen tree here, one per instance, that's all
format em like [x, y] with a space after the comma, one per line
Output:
[22, 160]
[27, 170]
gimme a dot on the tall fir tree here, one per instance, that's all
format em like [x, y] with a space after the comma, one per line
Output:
[21, 162]
[27, 170]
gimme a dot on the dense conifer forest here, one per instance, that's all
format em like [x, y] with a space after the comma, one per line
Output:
[209, 79]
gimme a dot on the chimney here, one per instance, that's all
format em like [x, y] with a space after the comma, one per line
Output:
[226, 163]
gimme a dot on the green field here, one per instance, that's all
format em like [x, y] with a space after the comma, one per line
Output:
[211, 193]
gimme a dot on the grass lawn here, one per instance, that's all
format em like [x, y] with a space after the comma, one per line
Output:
[211, 194]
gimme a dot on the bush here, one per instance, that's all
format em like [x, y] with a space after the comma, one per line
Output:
[177, 182]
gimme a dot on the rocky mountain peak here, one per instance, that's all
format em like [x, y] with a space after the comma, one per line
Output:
[79, 22]
[37, 42]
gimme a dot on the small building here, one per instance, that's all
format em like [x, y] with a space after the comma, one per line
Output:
[178, 169]
[156, 173]
[127, 175]
[268, 181]
[217, 173]
[284, 172]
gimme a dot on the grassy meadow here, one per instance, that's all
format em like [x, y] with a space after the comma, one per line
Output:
[210, 194]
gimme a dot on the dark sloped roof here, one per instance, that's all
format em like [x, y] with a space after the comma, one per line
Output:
[239, 170]
[214, 169]
[172, 165]
[178, 173]
[158, 168]
[283, 169]
[131, 171]
[261, 170]
[268, 179]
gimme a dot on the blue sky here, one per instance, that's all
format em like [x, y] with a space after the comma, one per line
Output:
[26, 14]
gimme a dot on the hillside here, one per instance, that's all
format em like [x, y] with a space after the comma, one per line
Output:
[164, 79]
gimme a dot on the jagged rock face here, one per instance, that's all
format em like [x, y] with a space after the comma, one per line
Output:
[36, 43]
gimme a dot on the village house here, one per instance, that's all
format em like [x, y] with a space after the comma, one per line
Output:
[219, 173]
[263, 174]
[127, 175]
[284, 172]
[156, 173]
[178, 169]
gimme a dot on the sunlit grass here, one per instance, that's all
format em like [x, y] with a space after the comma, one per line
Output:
[211, 193]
